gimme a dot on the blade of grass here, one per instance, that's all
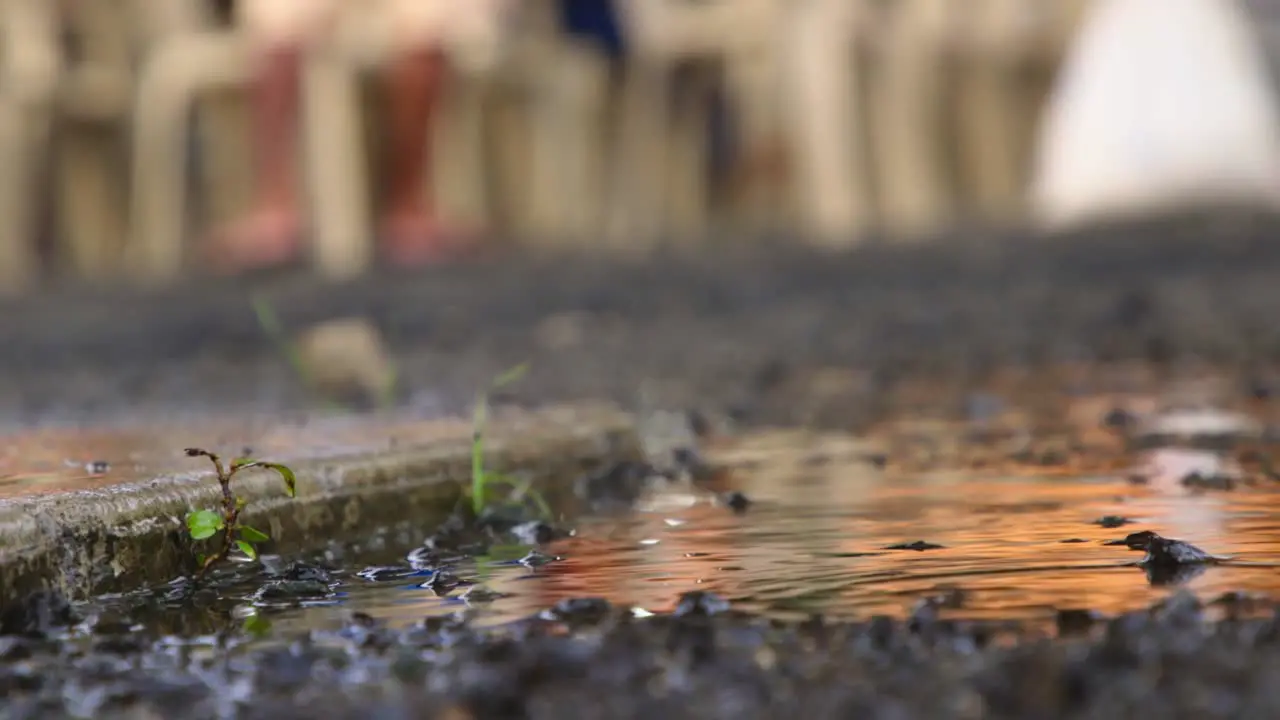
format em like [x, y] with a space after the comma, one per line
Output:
[271, 325]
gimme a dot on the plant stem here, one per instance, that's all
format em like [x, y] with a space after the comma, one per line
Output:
[230, 515]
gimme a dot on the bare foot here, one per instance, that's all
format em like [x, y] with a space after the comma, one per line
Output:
[414, 238]
[264, 239]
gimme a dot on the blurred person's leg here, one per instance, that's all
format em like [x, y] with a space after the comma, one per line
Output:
[413, 81]
[271, 232]
[428, 32]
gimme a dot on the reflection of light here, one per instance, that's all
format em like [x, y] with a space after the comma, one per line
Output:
[667, 500]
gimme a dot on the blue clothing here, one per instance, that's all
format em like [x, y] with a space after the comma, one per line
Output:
[594, 20]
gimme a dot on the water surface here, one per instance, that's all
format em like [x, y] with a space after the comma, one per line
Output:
[814, 541]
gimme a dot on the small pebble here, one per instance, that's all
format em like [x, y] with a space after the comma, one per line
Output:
[917, 546]
[736, 501]
[700, 602]
[1112, 521]
[536, 559]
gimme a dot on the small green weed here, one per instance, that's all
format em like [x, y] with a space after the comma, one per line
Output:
[482, 480]
[204, 524]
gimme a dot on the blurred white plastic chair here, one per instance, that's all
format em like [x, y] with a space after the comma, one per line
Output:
[978, 53]
[823, 96]
[566, 83]
[188, 65]
[94, 113]
[1011, 51]
[664, 152]
[1161, 103]
[201, 60]
[29, 66]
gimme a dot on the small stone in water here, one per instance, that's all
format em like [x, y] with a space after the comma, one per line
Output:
[1073, 621]
[442, 583]
[1164, 552]
[387, 572]
[292, 590]
[423, 558]
[579, 610]
[363, 620]
[303, 572]
[481, 594]
[536, 559]
[622, 483]
[1197, 481]
[690, 461]
[918, 546]
[537, 532]
[1112, 521]
[699, 602]
[736, 501]
[923, 616]
[1119, 419]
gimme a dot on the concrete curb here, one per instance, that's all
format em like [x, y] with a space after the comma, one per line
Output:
[88, 542]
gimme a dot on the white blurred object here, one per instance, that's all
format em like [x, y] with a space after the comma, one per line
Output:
[1160, 103]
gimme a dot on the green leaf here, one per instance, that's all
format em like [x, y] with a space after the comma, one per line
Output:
[252, 535]
[241, 462]
[510, 376]
[247, 549]
[257, 625]
[203, 524]
[200, 558]
[290, 480]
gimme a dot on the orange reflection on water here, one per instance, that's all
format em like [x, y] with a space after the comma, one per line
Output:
[815, 539]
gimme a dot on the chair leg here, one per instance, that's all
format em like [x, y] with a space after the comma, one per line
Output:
[30, 66]
[459, 152]
[683, 192]
[824, 127]
[19, 261]
[226, 157]
[908, 107]
[753, 81]
[567, 199]
[89, 199]
[642, 152]
[336, 170]
[988, 113]
[177, 70]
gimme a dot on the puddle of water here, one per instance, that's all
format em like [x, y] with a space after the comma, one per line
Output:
[815, 540]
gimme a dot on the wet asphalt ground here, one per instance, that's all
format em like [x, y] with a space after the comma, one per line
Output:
[752, 333]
